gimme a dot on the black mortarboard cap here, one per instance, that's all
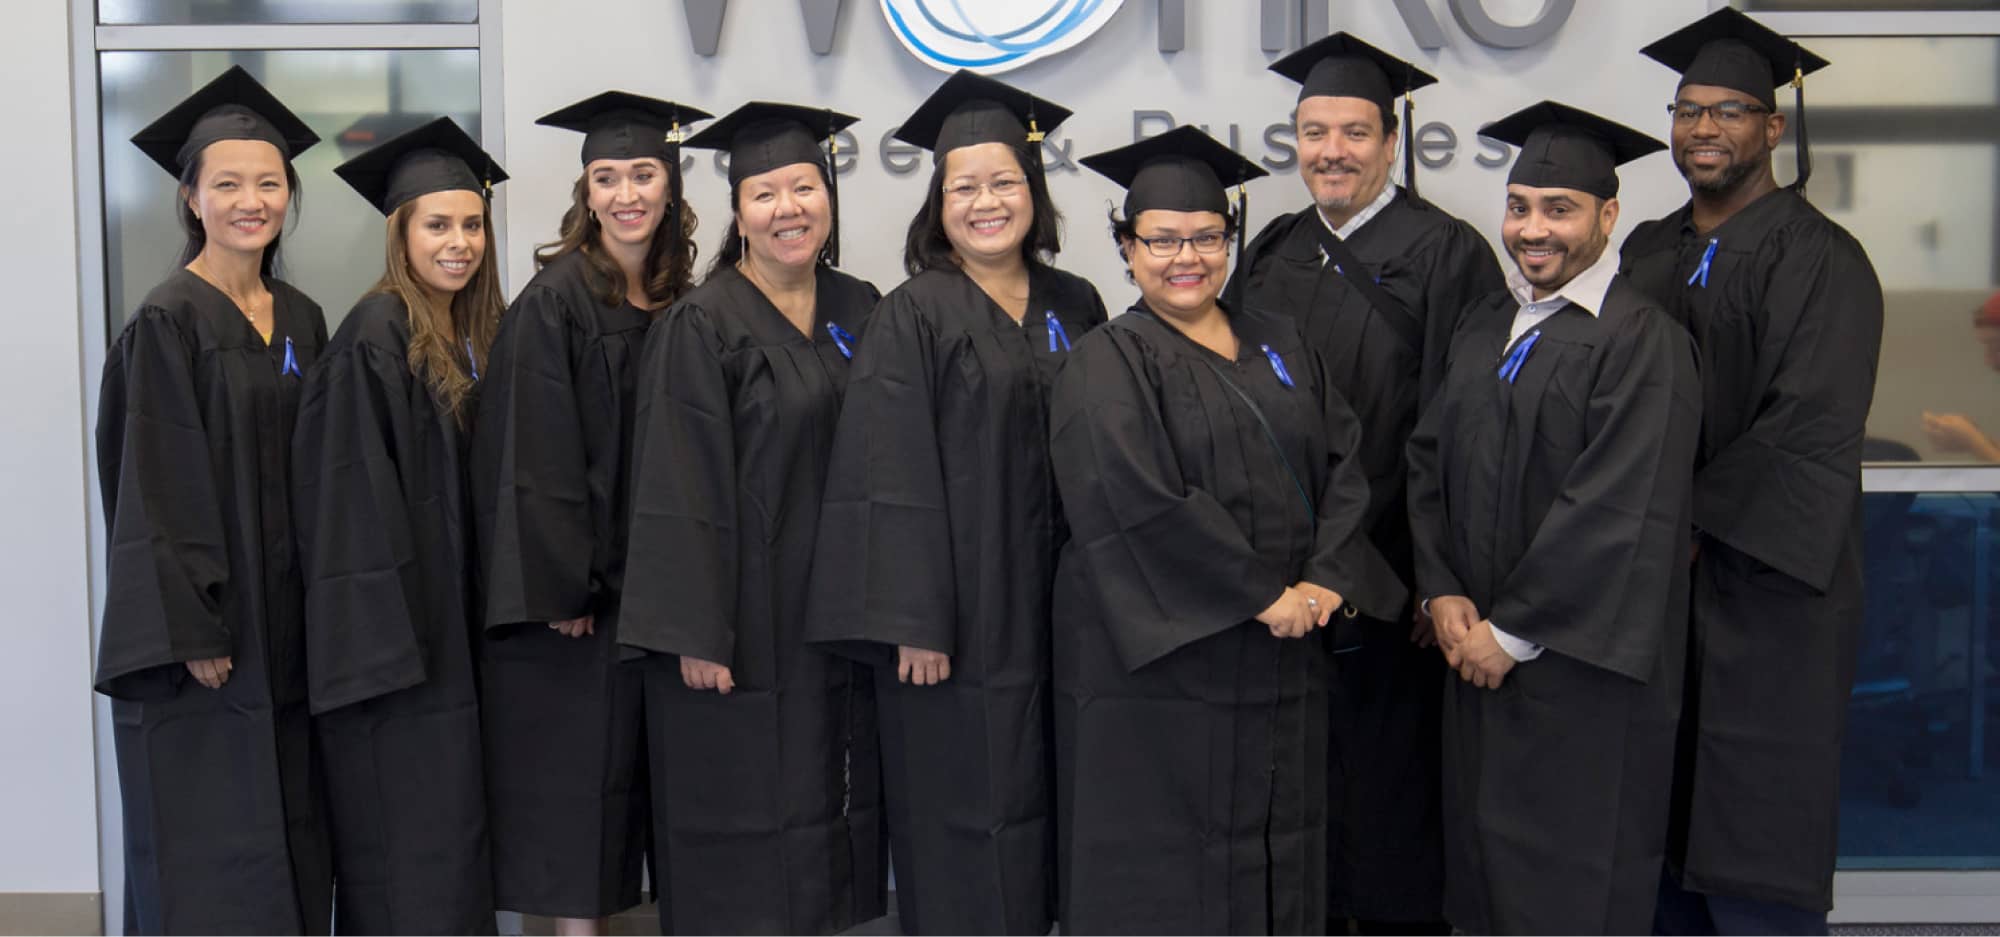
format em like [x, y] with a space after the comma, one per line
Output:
[761, 136]
[1342, 66]
[969, 109]
[1728, 49]
[435, 157]
[231, 107]
[1563, 147]
[619, 125]
[1183, 169]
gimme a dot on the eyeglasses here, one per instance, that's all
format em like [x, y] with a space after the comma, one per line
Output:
[1726, 114]
[1001, 188]
[1207, 242]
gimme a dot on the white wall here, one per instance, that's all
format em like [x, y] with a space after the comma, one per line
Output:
[554, 55]
[48, 809]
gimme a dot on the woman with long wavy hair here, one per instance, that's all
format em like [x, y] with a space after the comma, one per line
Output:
[551, 447]
[201, 645]
[767, 817]
[385, 544]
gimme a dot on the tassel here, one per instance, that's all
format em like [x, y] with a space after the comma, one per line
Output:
[1242, 222]
[832, 251]
[1408, 138]
[1799, 113]
[675, 191]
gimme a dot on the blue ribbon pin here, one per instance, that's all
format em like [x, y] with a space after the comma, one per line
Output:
[841, 338]
[1701, 270]
[291, 366]
[1278, 366]
[471, 358]
[1056, 331]
[1511, 368]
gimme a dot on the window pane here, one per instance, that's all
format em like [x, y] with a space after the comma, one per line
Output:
[1905, 138]
[262, 12]
[1920, 784]
[351, 98]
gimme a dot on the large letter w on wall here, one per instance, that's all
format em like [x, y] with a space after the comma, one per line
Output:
[705, 23]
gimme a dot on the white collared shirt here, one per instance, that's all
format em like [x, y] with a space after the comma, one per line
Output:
[1362, 217]
[1585, 291]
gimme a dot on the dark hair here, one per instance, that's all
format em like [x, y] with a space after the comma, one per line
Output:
[473, 314]
[197, 236]
[927, 248]
[730, 250]
[1125, 229]
[669, 269]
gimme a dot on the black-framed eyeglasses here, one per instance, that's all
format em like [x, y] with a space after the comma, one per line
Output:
[1727, 113]
[1207, 242]
[1002, 188]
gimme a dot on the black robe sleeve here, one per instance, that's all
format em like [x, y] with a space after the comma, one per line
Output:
[1464, 273]
[684, 496]
[356, 545]
[536, 540]
[167, 558]
[1428, 536]
[1344, 558]
[1166, 563]
[883, 571]
[1603, 558]
[1784, 491]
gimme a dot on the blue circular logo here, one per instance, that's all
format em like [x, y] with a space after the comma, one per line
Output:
[989, 36]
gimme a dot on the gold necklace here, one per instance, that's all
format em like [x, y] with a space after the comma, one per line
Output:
[244, 305]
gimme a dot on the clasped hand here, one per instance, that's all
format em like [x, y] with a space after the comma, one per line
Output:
[1300, 609]
[1468, 642]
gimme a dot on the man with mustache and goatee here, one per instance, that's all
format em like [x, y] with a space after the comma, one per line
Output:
[1787, 314]
[1549, 498]
[1376, 278]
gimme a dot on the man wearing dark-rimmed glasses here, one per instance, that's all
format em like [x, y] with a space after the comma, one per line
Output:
[1787, 315]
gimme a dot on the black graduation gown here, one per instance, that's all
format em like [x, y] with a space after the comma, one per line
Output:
[564, 732]
[767, 802]
[1558, 504]
[1190, 743]
[385, 542]
[939, 530]
[1385, 859]
[224, 824]
[1789, 323]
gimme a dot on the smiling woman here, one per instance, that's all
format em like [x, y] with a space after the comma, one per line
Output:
[202, 646]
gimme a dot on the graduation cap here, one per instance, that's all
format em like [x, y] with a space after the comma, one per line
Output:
[1342, 66]
[619, 125]
[761, 136]
[1728, 49]
[1183, 169]
[1563, 147]
[231, 107]
[970, 109]
[435, 157]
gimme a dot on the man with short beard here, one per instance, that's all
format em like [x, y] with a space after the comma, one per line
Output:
[1376, 278]
[1787, 313]
[1549, 498]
